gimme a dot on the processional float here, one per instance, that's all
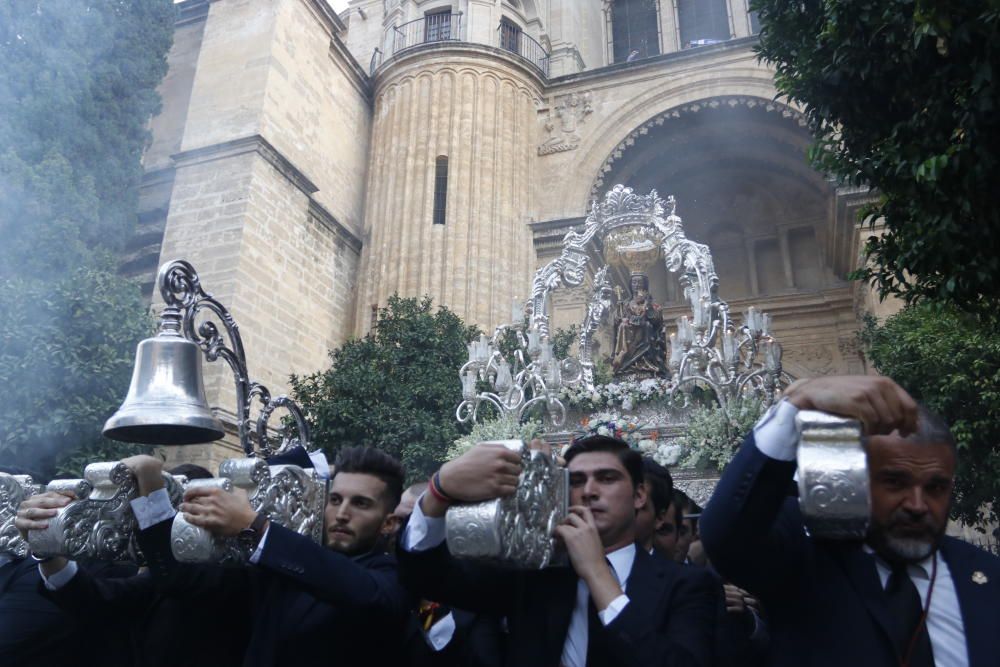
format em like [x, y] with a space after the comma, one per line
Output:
[166, 405]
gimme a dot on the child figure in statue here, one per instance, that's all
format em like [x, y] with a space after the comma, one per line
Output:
[639, 345]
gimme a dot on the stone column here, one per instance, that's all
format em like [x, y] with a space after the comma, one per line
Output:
[477, 108]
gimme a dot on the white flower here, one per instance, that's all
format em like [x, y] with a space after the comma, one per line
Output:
[627, 404]
[647, 446]
[668, 455]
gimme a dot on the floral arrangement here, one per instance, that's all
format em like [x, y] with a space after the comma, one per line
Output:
[505, 427]
[713, 434]
[624, 394]
[636, 435]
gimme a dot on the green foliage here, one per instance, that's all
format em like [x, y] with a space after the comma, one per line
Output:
[902, 96]
[713, 434]
[77, 87]
[66, 353]
[950, 360]
[563, 340]
[395, 389]
[505, 427]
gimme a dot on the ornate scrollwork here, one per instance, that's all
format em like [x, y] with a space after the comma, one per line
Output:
[13, 490]
[517, 530]
[291, 497]
[99, 524]
[833, 476]
[186, 301]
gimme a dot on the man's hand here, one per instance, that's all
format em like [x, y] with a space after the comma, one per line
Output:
[34, 513]
[586, 553]
[877, 402]
[484, 472]
[738, 600]
[218, 511]
[148, 472]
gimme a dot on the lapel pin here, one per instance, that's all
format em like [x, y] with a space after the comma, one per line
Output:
[979, 578]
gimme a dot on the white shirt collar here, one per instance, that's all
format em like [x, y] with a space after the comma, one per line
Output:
[621, 562]
[921, 569]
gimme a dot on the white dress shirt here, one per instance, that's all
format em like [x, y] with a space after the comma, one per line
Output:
[424, 532]
[777, 437]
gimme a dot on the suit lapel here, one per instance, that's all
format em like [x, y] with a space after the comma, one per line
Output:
[863, 575]
[646, 584]
[977, 602]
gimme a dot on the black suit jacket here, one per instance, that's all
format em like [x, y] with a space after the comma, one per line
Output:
[309, 604]
[33, 631]
[824, 600]
[668, 620]
[144, 622]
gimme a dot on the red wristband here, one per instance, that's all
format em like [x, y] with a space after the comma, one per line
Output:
[432, 487]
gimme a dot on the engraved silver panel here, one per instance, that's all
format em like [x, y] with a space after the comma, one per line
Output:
[834, 492]
[99, 524]
[291, 496]
[517, 530]
[13, 490]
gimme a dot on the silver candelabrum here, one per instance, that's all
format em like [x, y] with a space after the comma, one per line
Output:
[532, 375]
[733, 361]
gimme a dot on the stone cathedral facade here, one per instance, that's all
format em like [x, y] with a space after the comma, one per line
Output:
[311, 164]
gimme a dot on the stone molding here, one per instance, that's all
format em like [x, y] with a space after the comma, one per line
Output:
[435, 54]
[257, 144]
[327, 219]
[254, 143]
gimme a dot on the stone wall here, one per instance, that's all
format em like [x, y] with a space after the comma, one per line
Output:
[270, 254]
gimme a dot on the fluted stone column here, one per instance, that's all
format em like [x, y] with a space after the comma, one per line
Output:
[477, 107]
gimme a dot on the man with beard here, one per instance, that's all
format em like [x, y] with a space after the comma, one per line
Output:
[906, 595]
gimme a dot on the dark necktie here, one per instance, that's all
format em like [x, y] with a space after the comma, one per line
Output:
[907, 609]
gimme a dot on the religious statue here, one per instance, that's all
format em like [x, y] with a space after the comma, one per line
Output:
[639, 343]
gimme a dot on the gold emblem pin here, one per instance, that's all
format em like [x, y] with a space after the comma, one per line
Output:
[979, 578]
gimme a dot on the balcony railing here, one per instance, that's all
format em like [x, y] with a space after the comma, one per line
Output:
[511, 38]
[447, 26]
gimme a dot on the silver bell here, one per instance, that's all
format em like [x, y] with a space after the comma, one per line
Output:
[166, 402]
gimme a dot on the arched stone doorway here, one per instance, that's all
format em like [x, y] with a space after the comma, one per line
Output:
[739, 170]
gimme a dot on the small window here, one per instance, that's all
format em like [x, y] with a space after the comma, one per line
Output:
[702, 22]
[440, 189]
[437, 26]
[510, 35]
[635, 31]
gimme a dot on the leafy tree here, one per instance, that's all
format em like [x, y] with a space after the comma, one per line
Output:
[77, 89]
[902, 96]
[67, 352]
[395, 389]
[950, 360]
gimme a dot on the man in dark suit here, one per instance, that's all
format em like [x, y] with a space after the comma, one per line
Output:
[616, 605]
[906, 594]
[136, 619]
[307, 603]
